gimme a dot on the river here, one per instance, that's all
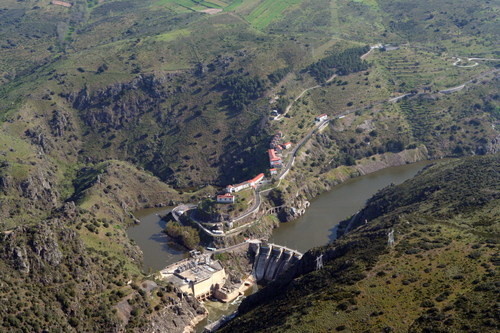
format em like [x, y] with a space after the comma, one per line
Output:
[159, 250]
[318, 225]
[315, 228]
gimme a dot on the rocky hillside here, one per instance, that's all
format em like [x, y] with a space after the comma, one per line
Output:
[438, 275]
[107, 106]
[76, 270]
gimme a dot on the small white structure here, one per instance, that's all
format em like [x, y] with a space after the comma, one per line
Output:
[226, 198]
[390, 238]
[237, 187]
[241, 186]
[321, 117]
[273, 171]
[319, 262]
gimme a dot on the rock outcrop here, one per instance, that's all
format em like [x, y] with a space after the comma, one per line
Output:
[121, 103]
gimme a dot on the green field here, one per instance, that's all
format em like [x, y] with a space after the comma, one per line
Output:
[111, 106]
[189, 5]
[269, 11]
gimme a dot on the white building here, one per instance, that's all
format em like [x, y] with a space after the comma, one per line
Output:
[321, 117]
[226, 198]
[237, 187]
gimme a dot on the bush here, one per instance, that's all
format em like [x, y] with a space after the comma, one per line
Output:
[73, 322]
[188, 236]
[349, 160]
[427, 303]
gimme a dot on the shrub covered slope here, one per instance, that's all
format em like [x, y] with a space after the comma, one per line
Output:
[440, 275]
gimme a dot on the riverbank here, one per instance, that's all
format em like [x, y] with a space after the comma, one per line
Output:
[191, 327]
[159, 250]
[297, 191]
[315, 228]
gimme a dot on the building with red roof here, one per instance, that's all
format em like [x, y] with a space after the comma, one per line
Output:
[254, 181]
[244, 185]
[274, 160]
[226, 198]
[321, 117]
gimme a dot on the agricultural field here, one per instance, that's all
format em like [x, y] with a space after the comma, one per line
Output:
[269, 11]
[180, 6]
[111, 106]
[410, 68]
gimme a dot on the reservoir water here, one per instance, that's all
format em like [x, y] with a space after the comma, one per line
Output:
[159, 250]
[319, 223]
[315, 228]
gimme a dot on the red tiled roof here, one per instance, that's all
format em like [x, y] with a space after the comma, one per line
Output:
[272, 155]
[256, 178]
[227, 195]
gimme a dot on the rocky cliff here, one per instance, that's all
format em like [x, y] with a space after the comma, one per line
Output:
[77, 270]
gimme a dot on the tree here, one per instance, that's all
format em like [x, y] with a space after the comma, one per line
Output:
[349, 160]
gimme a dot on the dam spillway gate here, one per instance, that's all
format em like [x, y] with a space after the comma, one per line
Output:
[271, 260]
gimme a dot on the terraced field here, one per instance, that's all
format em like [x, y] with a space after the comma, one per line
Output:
[409, 68]
[268, 11]
[190, 5]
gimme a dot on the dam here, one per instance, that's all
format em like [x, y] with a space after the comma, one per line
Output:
[315, 228]
[202, 276]
[271, 260]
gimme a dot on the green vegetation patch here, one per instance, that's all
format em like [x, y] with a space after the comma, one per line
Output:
[342, 63]
[185, 235]
[441, 262]
[269, 11]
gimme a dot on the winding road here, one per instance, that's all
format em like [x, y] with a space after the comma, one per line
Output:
[284, 170]
[255, 207]
[459, 60]
[306, 90]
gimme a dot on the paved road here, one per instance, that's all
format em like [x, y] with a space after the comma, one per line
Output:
[460, 87]
[377, 46]
[287, 167]
[395, 99]
[232, 247]
[255, 207]
[299, 145]
[456, 63]
[208, 231]
[475, 60]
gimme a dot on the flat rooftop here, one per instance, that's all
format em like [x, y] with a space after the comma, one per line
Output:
[201, 272]
[191, 270]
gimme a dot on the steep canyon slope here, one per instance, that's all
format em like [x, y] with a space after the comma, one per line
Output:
[108, 106]
[438, 275]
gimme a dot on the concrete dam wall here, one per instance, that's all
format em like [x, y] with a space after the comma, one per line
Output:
[271, 260]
